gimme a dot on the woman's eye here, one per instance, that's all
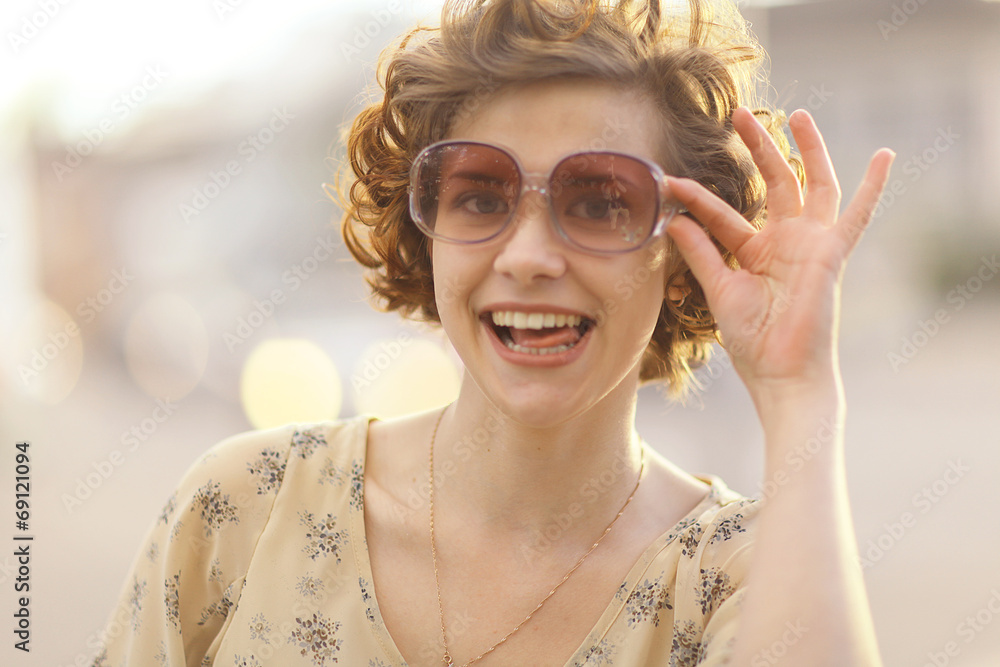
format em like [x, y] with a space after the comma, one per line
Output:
[593, 208]
[483, 204]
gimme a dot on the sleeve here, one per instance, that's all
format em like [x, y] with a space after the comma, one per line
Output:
[190, 569]
[711, 593]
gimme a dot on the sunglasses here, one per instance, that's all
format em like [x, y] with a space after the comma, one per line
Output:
[600, 202]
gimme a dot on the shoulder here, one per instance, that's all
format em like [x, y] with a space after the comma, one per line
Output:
[721, 527]
[261, 456]
[238, 478]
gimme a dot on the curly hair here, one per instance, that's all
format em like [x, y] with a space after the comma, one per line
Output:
[697, 66]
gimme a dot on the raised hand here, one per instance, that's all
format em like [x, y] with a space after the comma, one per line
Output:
[777, 313]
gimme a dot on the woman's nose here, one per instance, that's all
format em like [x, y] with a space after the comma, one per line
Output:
[532, 248]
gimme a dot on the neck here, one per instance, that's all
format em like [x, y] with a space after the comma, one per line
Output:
[507, 477]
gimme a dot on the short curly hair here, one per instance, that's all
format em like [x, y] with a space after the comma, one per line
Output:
[697, 65]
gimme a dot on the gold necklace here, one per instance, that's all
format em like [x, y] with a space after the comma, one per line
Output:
[447, 659]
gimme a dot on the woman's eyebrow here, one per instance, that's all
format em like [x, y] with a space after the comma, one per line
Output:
[473, 175]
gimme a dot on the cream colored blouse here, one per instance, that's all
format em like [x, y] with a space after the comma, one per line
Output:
[260, 558]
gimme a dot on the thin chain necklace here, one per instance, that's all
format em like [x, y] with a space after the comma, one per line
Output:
[447, 659]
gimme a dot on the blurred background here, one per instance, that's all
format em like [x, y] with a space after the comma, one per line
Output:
[171, 274]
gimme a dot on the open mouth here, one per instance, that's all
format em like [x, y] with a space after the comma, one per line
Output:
[538, 333]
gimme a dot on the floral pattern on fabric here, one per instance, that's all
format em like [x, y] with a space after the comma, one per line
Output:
[332, 474]
[647, 601]
[215, 571]
[323, 538]
[135, 602]
[728, 528]
[304, 443]
[168, 509]
[715, 589]
[220, 608]
[316, 638]
[690, 538]
[268, 470]
[310, 586]
[216, 509]
[260, 558]
[357, 485]
[601, 655]
[686, 649]
[171, 600]
[260, 629]
[367, 599]
[161, 655]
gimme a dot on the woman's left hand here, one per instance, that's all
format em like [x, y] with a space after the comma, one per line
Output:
[777, 313]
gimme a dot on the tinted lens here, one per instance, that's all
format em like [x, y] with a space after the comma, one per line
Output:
[466, 192]
[605, 201]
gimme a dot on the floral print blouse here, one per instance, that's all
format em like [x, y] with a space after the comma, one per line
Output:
[260, 558]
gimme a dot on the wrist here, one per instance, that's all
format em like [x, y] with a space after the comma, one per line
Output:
[801, 421]
[821, 395]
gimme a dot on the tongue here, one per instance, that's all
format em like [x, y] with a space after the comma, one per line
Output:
[545, 337]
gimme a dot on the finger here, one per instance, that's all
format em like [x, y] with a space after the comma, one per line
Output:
[784, 194]
[700, 254]
[822, 200]
[725, 223]
[859, 212]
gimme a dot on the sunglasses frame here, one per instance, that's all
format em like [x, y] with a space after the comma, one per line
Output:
[541, 183]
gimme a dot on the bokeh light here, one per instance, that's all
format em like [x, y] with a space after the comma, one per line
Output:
[403, 375]
[48, 354]
[289, 380]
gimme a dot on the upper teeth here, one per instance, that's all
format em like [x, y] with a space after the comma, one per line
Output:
[519, 320]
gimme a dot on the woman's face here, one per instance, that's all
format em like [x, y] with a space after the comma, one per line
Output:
[530, 277]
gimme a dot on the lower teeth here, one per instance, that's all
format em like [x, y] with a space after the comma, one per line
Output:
[511, 345]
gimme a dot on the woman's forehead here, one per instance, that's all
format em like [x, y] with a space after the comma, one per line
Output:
[546, 120]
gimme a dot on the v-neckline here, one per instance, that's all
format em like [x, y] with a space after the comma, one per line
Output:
[607, 618]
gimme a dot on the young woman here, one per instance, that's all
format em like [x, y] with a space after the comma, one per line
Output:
[577, 192]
